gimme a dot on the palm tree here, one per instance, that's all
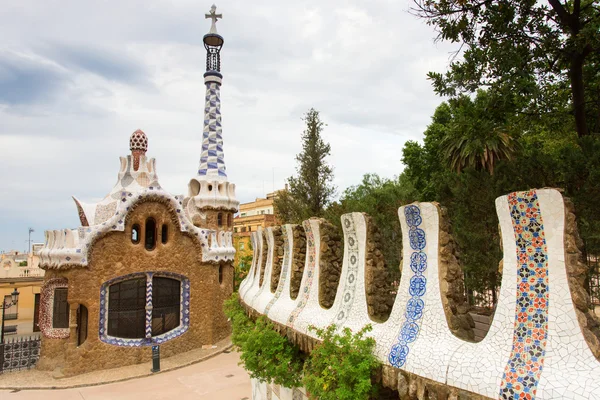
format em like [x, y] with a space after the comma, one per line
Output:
[477, 137]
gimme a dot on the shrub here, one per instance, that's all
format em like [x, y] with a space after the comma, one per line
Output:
[265, 354]
[342, 366]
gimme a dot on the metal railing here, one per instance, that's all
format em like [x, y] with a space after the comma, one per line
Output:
[19, 354]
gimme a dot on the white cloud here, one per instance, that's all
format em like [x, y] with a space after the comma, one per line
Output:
[92, 73]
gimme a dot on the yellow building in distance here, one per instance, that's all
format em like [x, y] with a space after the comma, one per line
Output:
[21, 271]
[258, 213]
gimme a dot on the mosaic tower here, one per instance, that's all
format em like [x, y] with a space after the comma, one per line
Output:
[211, 198]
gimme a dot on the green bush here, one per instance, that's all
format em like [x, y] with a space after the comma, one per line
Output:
[342, 366]
[265, 354]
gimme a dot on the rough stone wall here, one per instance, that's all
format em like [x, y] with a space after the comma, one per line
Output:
[277, 257]
[299, 258]
[452, 284]
[114, 255]
[265, 253]
[332, 255]
[378, 286]
[414, 387]
[577, 270]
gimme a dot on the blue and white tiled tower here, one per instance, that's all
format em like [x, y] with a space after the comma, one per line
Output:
[209, 189]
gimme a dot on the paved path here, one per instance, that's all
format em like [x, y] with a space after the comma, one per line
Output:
[219, 378]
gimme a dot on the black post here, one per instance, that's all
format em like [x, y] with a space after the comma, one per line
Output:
[2, 334]
[155, 358]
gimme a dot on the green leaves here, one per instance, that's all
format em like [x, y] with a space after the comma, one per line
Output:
[311, 190]
[339, 368]
[342, 366]
[265, 354]
[521, 47]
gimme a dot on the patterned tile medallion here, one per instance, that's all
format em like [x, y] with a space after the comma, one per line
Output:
[417, 288]
[524, 367]
[350, 284]
[309, 272]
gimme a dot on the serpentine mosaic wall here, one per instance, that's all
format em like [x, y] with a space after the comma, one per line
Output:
[536, 347]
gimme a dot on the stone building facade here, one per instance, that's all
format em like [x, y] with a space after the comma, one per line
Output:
[145, 267]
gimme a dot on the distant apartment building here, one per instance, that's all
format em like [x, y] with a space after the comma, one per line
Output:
[259, 213]
[21, 271]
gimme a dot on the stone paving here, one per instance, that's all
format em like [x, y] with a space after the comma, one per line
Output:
[219, 377]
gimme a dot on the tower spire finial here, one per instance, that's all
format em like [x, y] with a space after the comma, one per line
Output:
[214, 16]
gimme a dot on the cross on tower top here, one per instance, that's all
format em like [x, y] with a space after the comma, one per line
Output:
[214, 16]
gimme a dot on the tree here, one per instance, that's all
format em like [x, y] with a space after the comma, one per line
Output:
[477, 136]
[311, 191]
[543, 53]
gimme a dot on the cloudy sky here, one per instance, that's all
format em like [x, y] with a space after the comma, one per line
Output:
[77, 77]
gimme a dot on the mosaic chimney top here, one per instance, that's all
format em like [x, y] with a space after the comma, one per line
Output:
[209, 189]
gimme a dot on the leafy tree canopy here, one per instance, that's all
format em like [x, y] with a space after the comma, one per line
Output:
[540, 55]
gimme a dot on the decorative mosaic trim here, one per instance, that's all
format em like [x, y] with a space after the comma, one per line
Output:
[524, 367]
[268, 264]
[47, 309]
[212, 158]
[309, 271]
[56, 253]
[417, 288]
[184, 317]
[352, 262]
[284, 269]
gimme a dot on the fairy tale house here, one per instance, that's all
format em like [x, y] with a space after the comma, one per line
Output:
[145, 267]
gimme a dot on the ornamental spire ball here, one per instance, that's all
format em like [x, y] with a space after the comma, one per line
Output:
[138, 142]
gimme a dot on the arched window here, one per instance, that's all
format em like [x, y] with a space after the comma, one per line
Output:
[166, 299]
[229, 220]
[60, 314]
[82, 324]
[164, 234]
[150, 239]
[135, 234]
[128, 300]
[220, 219]
[220, 274]
[127, 309]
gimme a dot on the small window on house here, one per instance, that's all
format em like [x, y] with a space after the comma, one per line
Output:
[249, 229]
[220, 219]
[150, 239]
[241, 245]
[229, 220]
[235, 230]
[164, 234]
[220, 274]
[135, 234]
[60, 315]
[243, 229]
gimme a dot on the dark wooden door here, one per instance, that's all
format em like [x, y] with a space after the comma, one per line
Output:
[36, 313]
[82, 325]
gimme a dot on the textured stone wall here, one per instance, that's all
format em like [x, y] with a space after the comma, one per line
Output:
[114, 255]
[298, 260]
[577, 271]
[277, 257]
[414, 387]
[332, 255]
[452, 283]
[265, 253]
[378, 286]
